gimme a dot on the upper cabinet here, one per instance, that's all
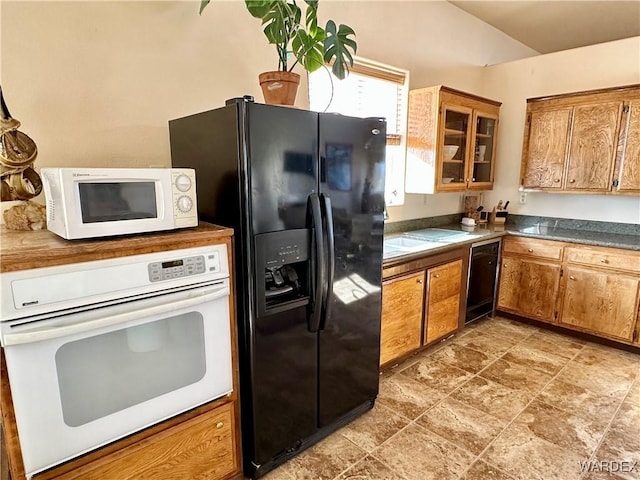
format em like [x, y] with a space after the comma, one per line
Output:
[451, 141]
[585, 142]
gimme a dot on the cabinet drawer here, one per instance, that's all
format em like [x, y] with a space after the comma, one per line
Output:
[200, 448]
[626, 260]
[533, 247]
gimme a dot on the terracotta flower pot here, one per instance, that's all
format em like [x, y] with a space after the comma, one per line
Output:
[279, 88]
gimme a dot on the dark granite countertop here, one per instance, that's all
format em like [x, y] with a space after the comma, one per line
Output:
[585, 237]
[403, 246]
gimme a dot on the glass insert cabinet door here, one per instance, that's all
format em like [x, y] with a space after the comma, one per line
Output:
[484, 148]
[457, 123]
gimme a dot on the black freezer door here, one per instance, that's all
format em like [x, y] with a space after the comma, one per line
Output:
[282, 152]
[283, 157]
[352, 170]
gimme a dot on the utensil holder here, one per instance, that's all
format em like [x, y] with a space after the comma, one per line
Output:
[498, 217]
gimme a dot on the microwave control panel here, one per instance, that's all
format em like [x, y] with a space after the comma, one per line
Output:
[185, 207]
[183, 267]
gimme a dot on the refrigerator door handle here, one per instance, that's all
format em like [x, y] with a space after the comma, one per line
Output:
[331, 258]
[319, 266]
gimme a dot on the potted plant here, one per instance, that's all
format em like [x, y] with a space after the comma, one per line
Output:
[299, 41]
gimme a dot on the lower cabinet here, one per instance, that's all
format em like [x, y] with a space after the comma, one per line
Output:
[595, 290]
[200, 448]
[444, 290]
[530, 277]
[529, 287]
[601, 300]
[402, 303]
[422, 301]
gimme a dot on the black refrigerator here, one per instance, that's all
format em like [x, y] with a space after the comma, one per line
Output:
[304, 192]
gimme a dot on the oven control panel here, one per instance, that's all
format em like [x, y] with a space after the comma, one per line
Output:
[184, 267]
[39, 293]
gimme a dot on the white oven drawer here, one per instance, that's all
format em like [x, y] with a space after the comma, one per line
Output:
[85, 379]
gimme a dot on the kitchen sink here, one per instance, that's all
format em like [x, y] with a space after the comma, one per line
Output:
[437, 235]
[405, 243]
[401, 245]
[419, 240]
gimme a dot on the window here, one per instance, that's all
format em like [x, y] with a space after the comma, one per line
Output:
[371, 90]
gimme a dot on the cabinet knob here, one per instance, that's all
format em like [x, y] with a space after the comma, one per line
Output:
[219, 424]
[571, 277]
[572, 180]
[504, 265]
[437, 275]
[604, 260]
[530, 250]
[473, 179]
[419, 280]
[557, 180]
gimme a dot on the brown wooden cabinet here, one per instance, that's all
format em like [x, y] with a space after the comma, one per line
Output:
[529, 287]
[547, 148]
[530, 277]
[592, 149]
[628, 166]
[422, 302]
[401, 325]
[585, 142]
[451, 141]
[202, 447]
[600, 302]
[601, 291]
[592, 289]
[444, 289]
[203, 442]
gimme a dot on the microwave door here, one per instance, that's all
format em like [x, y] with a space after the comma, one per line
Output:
[110, 201]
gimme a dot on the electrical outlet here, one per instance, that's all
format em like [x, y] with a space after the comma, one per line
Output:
[523, 197]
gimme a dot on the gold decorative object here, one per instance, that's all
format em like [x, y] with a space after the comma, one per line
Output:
[25, 216]
[18, 152]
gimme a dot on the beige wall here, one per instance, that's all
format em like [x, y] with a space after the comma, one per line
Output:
[94, 83]
[599, 66]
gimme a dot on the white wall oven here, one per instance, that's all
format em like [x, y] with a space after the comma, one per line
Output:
[98, 350]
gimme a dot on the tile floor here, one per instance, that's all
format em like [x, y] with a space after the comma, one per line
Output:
[503, 400]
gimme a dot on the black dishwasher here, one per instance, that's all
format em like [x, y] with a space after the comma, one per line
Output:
[482, 279]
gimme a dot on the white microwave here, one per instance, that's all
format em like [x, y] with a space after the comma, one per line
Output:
[101, 202]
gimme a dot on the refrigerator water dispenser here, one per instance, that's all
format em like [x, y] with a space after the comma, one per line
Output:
[282, 270]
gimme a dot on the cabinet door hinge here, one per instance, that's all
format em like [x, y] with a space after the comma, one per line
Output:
[625, 109]
[615, 183]
[561, 272]
[555, 315]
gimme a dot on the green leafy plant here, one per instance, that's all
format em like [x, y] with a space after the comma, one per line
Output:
[311, 45]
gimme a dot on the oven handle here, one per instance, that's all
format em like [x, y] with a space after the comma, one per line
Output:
[193, 297]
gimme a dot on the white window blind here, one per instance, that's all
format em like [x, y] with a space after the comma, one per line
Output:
[371, 90]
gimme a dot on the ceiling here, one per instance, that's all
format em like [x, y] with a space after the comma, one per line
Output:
[552, 26]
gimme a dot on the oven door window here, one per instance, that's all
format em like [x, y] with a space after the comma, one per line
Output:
[107, 373]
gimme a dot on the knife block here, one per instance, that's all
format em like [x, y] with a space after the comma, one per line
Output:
[498, 217]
